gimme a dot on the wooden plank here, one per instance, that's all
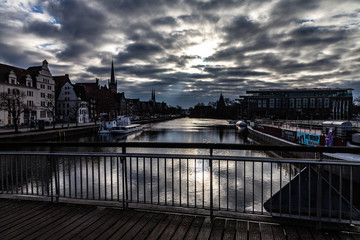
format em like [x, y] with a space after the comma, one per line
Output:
[68, 229]
[291, 233]
[218, 229]
[94, 225]
[55, 226]
[305, 234]
[230, 230]
[19, 212]
[43, 222]
[72, 220]
[128, 225]
[183, 228]
[241, 230]
[121, 221]
[84, 224]
[254, 231]
[20, 224]
[195, 228]
[114, 218]
[159, 228]
[318, 235]
[171, 228]
[266, 232]
[205, 230]
[278, 232]
[135, 229]
[147, 229]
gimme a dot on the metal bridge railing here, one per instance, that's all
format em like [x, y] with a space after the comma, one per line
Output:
[294, 188]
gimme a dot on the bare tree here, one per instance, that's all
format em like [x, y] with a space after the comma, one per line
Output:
[51, 108]
[74, 111]
[14, 104]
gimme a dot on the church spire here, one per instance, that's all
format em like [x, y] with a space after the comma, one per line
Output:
[112, 80]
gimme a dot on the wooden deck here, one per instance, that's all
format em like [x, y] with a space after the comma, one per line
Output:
[42, 220]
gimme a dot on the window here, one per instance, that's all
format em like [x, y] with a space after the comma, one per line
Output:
[264, 103]
[43, 104]
[319, 102]
[298, 103]
[305, 103]
[271, 103]
[285, 103]
[259, 103]
[49, 95]
[9, 91]
[42, 95]
[42, 86]
[278, 103]
[42, 114]
[49, 87]
[326, 103]
[312, 102]
[292, 103]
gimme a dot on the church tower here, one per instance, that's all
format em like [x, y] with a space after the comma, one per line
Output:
[153, 99]
[113, 82]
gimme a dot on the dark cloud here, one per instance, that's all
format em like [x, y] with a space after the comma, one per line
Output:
[164, 21]
[139, 51]
[156, 44]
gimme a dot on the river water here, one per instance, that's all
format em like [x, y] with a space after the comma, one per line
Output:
[177, 181]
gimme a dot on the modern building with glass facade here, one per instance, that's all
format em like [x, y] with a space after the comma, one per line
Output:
[305, 103]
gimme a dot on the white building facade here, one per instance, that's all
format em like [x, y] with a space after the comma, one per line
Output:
[38, 90]
[71, 105]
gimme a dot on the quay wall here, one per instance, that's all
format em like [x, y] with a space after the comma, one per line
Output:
[264, 138]
[49, 134]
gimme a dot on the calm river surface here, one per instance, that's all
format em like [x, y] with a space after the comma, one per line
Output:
[179, 181]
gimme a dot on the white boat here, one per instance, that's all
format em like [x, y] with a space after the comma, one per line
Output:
[121, 125]
[126, 129]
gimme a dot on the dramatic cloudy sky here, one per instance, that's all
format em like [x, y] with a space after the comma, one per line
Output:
[188, 51]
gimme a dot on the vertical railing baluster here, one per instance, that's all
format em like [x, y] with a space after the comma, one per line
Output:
[117, 178]
[219, 182]
[125, 189]
[75, 177]
[262, 187]
[144, 177]
[87, 177]
[253, 186]
[271, 188]
[158, 180]
[211, 186]
[111, 179]
[172, 182]
[330, 189]
[351, 194]
[180, 182]
[309, 191]
[236, 188]
[244, 186]
[93, 177]
[131, 178]
[16, 174]
[81, 178]
[280, 190]
[203, 183]
[187, 182]
[340, 192]
[105, 182]
[151, 180]
[165, 180]
[227, 185]
[99, 177]
[195, 183]
[137, 179]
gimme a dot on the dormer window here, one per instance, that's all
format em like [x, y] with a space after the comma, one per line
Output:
[28, 81]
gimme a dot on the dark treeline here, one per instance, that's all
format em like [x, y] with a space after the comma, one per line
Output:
[224, 108]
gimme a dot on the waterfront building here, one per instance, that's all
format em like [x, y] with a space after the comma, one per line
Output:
[72, 102]
[305, 103]
[36, 87]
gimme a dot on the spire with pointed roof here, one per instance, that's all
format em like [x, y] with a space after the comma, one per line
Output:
[113, 82]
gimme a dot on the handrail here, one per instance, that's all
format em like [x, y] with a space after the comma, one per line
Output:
[179, 145]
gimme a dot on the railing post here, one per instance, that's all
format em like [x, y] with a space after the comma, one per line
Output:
[211, 187]
[124, 185]
[53, 170]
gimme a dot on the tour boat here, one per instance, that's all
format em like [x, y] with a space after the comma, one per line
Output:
[126, 129]
[121, 125]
